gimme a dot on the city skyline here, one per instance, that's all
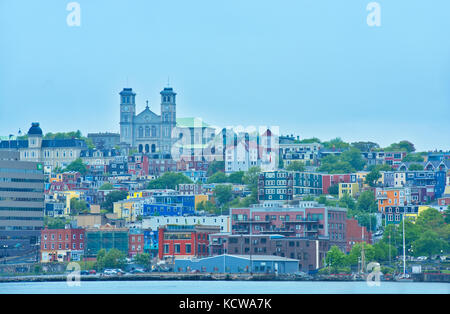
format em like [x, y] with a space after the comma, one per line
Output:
[315, 70]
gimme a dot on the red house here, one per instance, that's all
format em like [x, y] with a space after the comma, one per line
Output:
[181, 241]
[135, 244]
[138, 165]
[332, 179]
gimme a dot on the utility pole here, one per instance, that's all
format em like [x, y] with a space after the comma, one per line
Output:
[250, 237]
[404, 256]
[362, 251]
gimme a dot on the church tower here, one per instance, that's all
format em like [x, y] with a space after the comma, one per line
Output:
[127, 114]
[168, 118]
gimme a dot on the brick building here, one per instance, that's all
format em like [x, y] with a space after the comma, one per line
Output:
[62, 244]
[135, 243]
[356, 234]
[181, 241]
[307, 220]
[310, 253]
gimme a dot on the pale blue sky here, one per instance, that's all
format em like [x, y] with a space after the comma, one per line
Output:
[315, 68]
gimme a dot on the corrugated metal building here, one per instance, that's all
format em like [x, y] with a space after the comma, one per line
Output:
[238, 264]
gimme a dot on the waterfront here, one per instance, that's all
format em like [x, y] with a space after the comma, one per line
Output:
[224, 287]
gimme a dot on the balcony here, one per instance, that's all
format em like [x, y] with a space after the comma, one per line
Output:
[279, 231]
[252, 221]
[301, 221]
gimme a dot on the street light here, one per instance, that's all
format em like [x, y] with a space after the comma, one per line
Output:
[5, 248]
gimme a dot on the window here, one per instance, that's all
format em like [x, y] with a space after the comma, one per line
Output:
[188, 248]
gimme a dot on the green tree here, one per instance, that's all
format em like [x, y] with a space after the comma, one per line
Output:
[355, 253]
[208, 206]
[404, 146]
[334, 164]
[413, 158]
[447, 215]
[372, 177]
[112, 197]
[430, 218]
[428, 244]
[310, 140]
[336, 143]
[78, 166]
[415, 167]
[381, 251]
[366, 202]
[335, 258]
[365, 146]
[236, 177]
[169, 180]
[354, 158]
[251, 176]
[143, 259]
[77, 206]
[223, 194]
[218, 177]
[55, 222]
[347, 201]
[215, 166]
[296, 166]
[322, 200]
[110, 259]
[106, 186]
[100, 263]
[333, 189]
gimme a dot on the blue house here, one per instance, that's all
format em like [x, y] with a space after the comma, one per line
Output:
[167, 210]
[238, 264]
[427, 179]
[151, 242]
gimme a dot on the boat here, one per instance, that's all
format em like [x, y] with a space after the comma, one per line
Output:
[404, 277]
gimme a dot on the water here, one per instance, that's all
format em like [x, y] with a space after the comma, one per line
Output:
[224, 287]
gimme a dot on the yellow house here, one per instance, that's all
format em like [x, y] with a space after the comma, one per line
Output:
[123, 209]
[361, 175]
[348, 188]
[380, 181]
[414, 216]
[200, 198]
[135, 195]
[56, 177]
[68, 196]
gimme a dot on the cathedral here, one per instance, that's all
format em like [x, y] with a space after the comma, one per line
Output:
[148, 132]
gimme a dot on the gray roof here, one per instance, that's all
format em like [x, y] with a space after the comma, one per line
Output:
[264, 258]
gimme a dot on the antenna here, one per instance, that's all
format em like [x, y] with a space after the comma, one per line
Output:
[168, 81]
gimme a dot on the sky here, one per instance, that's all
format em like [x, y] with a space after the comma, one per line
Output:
[310, 67]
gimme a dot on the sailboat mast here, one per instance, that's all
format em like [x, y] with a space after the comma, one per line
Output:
[404, 256]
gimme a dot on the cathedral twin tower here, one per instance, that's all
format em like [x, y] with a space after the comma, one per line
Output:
[148, 132]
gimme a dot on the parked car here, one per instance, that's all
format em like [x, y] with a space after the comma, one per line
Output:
[110, 272]
[92, 272]
[84, 272]
[137, 271]
[422, 258]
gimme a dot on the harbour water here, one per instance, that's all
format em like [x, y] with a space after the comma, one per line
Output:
[224, 287]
